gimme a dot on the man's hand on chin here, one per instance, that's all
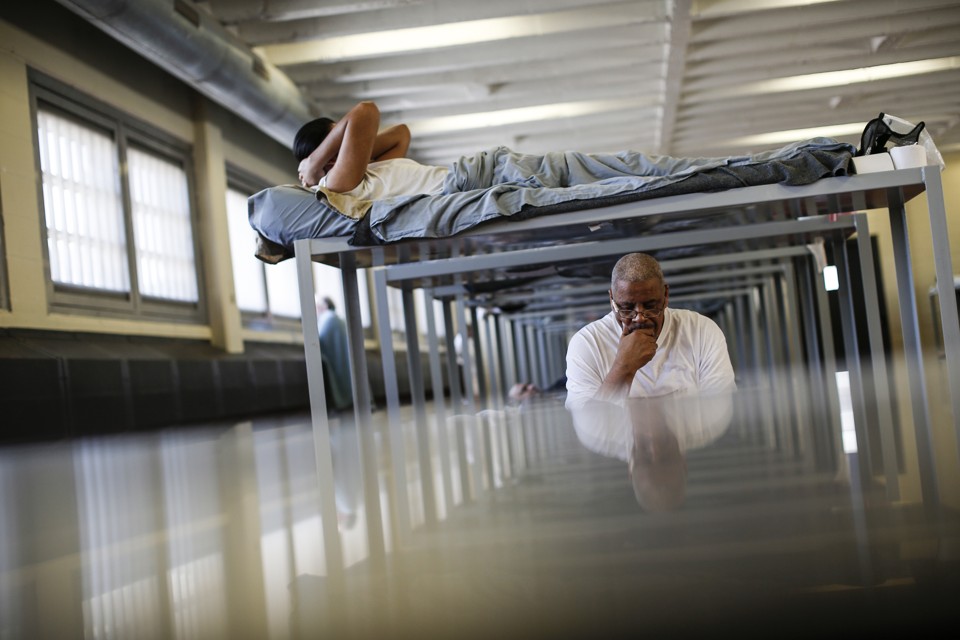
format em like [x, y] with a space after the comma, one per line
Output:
[646, 328]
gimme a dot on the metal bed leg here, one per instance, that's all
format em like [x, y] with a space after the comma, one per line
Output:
[479, 364]
[453, 371]
[912, 349]
[728, 325]
[823, 422]
[560, 350]
[474, 471]
[520, 352]
[418, 395]
[830, 369]
[854, 367]
[798, 370]
[878, 359]
[457, 401]
[766, 408]
[504, 354]
[735, 334]
[781, 323]
[360, 381]
[497, 381]
[514, 351]
[531, 342]
[729, 328]
[494, 359]
[773, 326]
[544, 357]
[546, 354]
[751, 364]
[526, 423]
[439, 402]
[465, 352]
[318, 412]
[509, 355]
[400, 504]
[949, 323]
[481, 334]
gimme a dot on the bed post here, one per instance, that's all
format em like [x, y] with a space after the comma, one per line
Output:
[318, 412]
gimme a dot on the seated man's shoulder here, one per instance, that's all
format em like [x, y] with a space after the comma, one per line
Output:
[689, 317]
[692, 317]
[695, 324]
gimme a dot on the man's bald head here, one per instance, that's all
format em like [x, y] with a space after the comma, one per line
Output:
[635, 267]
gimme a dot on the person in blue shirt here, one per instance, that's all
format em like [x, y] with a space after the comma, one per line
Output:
[335, 355]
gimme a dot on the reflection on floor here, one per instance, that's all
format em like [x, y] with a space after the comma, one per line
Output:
[217, 533]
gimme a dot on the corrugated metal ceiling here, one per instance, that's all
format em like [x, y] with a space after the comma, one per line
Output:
[683, 78]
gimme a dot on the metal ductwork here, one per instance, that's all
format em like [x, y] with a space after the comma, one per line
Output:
[189, 44]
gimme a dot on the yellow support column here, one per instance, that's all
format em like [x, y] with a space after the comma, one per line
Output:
[225, 321]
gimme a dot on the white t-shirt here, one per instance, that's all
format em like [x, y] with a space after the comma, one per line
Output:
[691, 361]
[396, 177]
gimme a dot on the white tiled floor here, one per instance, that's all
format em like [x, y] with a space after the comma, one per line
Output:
[216, 532]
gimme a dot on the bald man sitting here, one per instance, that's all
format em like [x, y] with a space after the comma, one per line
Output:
[644, 349]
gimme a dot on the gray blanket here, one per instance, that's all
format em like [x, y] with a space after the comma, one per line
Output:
[500, 183]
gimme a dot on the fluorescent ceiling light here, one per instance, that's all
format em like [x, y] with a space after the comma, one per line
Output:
[830, 79]
[398, 40]
[451, 34]
[524, 114]
[719, 8]
[851, 76]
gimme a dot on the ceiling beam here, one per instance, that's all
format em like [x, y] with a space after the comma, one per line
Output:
[674, 72]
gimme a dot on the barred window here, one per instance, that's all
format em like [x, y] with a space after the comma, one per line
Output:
[83, 207]
[161, 224]
[117, 208]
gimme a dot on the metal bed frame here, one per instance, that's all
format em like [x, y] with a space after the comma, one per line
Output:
[771, 275]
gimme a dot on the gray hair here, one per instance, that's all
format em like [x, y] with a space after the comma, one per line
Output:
[635, 267]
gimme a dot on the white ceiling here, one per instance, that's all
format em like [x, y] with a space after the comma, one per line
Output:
[682, 78]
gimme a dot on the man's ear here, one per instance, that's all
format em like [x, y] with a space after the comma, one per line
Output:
[666, 293]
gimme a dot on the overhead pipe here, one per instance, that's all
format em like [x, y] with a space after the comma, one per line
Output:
[191, 45]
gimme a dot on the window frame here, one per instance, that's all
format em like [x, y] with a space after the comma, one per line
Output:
[51, 95]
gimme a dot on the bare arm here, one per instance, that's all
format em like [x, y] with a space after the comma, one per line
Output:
[353, 142]
[345, 152]
[636, 349]
[391, 143]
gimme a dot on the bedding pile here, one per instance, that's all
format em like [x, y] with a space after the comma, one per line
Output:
[499, 183]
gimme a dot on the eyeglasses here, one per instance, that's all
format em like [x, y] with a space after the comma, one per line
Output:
[631, 314]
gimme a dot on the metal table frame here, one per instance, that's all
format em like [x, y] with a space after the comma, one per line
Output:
[813, 207]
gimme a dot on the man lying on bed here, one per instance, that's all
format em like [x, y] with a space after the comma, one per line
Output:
[353, 157]
[362, 187]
